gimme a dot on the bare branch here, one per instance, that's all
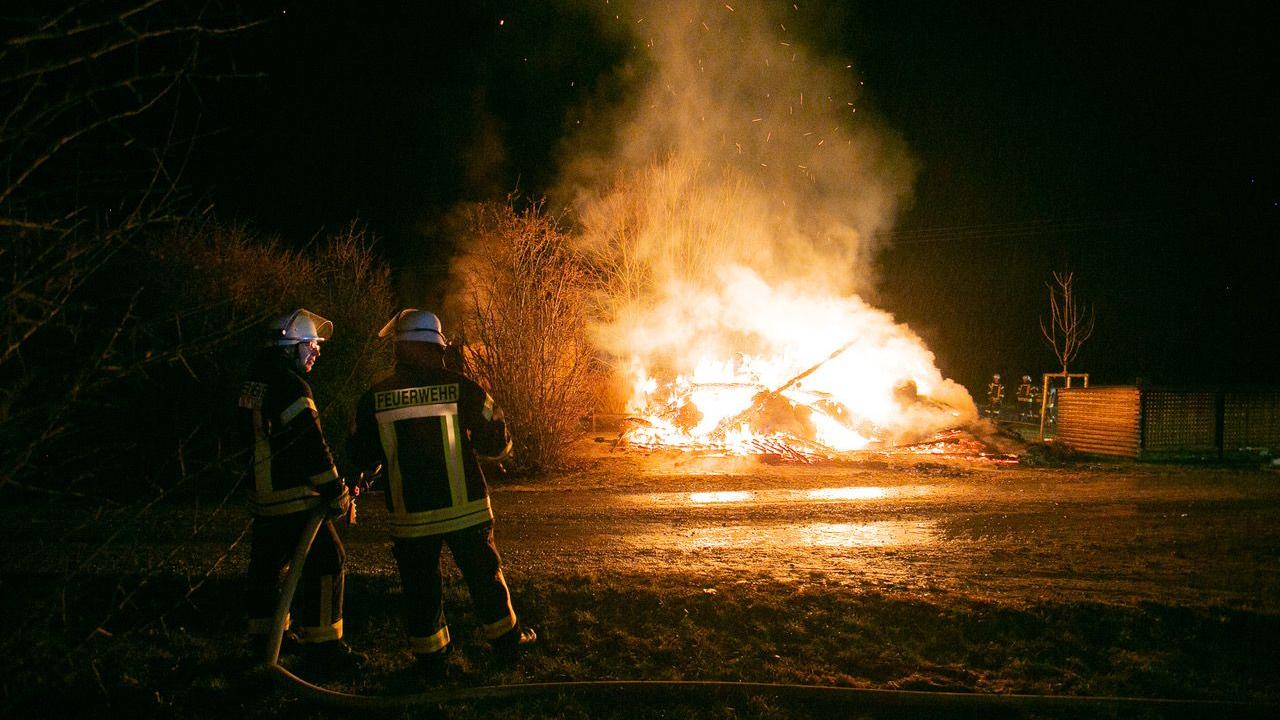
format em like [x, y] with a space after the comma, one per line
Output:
[134, 38]
[1070, 324]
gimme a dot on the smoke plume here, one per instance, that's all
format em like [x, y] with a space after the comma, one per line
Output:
[735, 195]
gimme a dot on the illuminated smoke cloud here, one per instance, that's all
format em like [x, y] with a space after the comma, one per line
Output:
[737, 192]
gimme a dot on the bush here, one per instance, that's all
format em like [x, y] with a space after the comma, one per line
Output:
[140, 392]
[521, 311]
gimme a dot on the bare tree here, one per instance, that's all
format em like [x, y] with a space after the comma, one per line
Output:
[1070, 323]
[97, 116]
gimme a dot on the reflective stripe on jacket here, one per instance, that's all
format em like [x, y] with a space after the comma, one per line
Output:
[292, 468]
[425, 426]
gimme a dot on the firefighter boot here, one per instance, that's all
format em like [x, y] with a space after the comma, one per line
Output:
[519, 639]
[434, 667]
[334, 657]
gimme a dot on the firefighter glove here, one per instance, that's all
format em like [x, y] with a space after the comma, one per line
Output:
[340, 505]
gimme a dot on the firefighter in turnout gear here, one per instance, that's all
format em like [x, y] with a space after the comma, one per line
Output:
[1027, 398]
[293, 474]
[426, 425]
[995, 396]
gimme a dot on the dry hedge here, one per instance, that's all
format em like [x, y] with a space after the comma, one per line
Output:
[521, 308]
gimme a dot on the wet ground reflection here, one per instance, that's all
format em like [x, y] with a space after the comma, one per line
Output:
[858, 493]
[702, 498]
[817, 535]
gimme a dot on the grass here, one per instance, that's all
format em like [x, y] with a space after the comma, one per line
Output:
[621, 627]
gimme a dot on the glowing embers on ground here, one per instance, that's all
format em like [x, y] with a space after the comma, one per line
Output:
[848, 493]
[729, 496]
[851, 494]
[797, 407]
[888, 533]
[731, 406]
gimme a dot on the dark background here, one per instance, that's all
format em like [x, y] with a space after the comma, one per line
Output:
[1135, 144]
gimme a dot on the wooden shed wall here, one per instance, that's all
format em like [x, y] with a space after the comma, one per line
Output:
[1100, 420]
[1128, 421]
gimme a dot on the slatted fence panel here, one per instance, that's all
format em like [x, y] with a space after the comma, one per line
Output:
[1251, 419]
[1179, 421]
[1100, 420]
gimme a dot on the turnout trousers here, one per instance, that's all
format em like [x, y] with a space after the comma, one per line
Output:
[319, 598]
[477, 557]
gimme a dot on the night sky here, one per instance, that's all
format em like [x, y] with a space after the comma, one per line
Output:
[1135, 145]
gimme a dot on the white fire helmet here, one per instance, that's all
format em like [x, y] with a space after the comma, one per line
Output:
[298, 327]
[413, 325]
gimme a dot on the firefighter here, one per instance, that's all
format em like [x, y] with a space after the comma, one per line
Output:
[995, 396]
[426, 425]
[293, 475]
[1027, 398]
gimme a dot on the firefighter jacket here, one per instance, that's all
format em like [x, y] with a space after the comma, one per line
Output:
[425, 426]
[1026, 393]
[292, 469]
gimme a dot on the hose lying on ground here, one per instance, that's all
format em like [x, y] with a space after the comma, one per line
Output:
[865, 699]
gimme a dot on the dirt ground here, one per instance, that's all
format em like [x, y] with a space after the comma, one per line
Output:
[1114, 532]
[1105, 532]
[896, 572]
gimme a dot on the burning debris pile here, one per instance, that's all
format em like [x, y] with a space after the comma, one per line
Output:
[743, 415]
[732, 209]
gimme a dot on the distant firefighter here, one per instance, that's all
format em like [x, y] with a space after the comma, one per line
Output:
[995, 396]
[1027, 395]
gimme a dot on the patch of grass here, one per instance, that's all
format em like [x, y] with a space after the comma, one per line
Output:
[164, 654]
[194, 663]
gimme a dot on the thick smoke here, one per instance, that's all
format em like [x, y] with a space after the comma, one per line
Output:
[739, 182]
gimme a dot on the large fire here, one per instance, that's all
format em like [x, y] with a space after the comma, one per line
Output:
[735, 202]
[831, 375]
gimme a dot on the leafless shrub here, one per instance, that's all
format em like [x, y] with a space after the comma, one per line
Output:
[522, 310]
[222, 283]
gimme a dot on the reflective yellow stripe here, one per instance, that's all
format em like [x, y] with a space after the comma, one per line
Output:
[416, 411]
[322, 633]
[327, 476]
[430, 516]
[286, 508]
[261, 454]
[387, 433]
[283, 502]
[277, 496]
[431, 643]
[291, 412]
[453, 460]
[498, 628]
[440, 528]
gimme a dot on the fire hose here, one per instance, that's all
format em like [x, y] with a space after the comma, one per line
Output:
[866, 699]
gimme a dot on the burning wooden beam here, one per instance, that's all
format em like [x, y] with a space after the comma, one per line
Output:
[764, 398]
